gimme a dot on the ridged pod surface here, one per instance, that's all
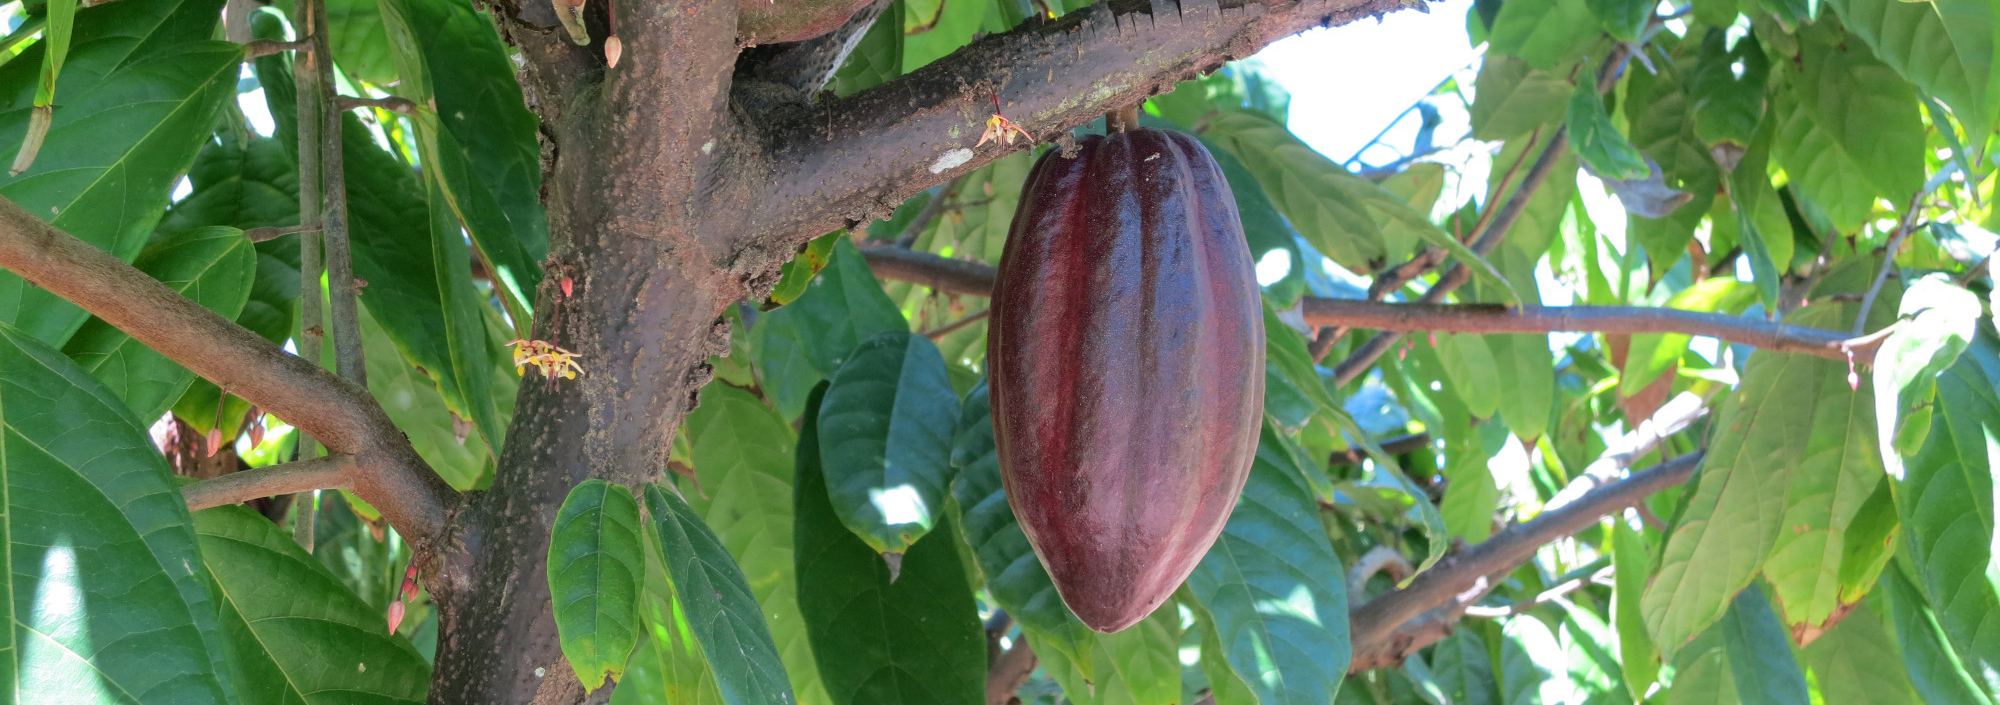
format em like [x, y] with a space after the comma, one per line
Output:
[1126, 367]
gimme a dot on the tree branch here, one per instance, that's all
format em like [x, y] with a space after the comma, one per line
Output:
[1009, 672]
[322, 473]
[387, 472]
[848, 160]
[1396, 623]
[964, 277]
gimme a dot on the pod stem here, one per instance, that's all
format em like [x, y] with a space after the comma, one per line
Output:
[1124, 119]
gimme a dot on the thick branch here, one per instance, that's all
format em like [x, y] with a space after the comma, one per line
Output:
[963, 277]
[849, 160]
[322, 473]
[388, 474]
[1379, 639]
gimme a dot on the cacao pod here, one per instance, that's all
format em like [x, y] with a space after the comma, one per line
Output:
[1126, 367]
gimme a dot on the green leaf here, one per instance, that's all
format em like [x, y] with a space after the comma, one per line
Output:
[887, 423]
[105, 596]
[299, 634]
[934, 28]
[1760, 661]
[806, 341]
[467, 382]
[415, 406]
[1342, 214]
[1137, 666]
[878, 57]
[1945, 500]
[1948, 48]
[981, 210]
[1590, 649]
[1602, 147]
[1790, 421]
[55, 42]
[480, 137]
[1851, 663]
[800, 271]
[1660, 116]
[1515, 98]
[359, 45]
[1275, 588]
[1624, 20]
[142, 86]
[914, 639]
[595, 570]
[1848, 131]
[1631, 561]
[1832, 476]
[1545, 33]
[1463, 671]
[742, 453]
[1014, 576]
[1934, 668]
[1728, 107]
[1701, 673]
[1471, 496]
[1530, 373]
[1939, 321]
[212, 267]
[1475, 376]
[720, 611]
[1533, 668]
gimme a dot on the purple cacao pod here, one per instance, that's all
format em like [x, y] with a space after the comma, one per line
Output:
[1126, 367]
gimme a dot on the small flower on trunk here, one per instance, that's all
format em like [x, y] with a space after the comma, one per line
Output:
[545, 356]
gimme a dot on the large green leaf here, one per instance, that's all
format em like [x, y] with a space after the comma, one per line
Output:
[476, 131]
[1599, 143]
[742, 453]
[1533, 667]
[721, 614]
[1848, 130]
[1702, 673]
[1939, 321]
[975, 225]
[1475, 375]
[1853, 663]
[1515, 98]
[1545, 33]
[1631, 559]
[1948, 48]
[300, 635]
[807, 340]
[1340, 213]
[886, 429]
[1463, 671]
[595, 570]
[1136, 666]
[1759, 659]
[1945, 500]
[104, 593]
[414, 404]
[140, 90]
[1275, 588]
[1791, 419]
[1822, 561]
[1014, 576]
[1934, 668]
[211, 266]
[914, 639]
[359, 45]
[1727, 87]
[934, 28]
[876, 57]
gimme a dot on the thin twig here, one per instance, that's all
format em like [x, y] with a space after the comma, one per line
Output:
[394, 104]
[312, 240]
[973, 278]
[1393, 446]
[932, 209]
[268, 233]
[341, 294]
[267, 47]
[322, 473]
[940, 332]
[1903, 227]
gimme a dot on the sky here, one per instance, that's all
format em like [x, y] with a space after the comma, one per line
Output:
[1350, 82]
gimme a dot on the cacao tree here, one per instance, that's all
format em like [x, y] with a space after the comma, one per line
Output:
[636, 351]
